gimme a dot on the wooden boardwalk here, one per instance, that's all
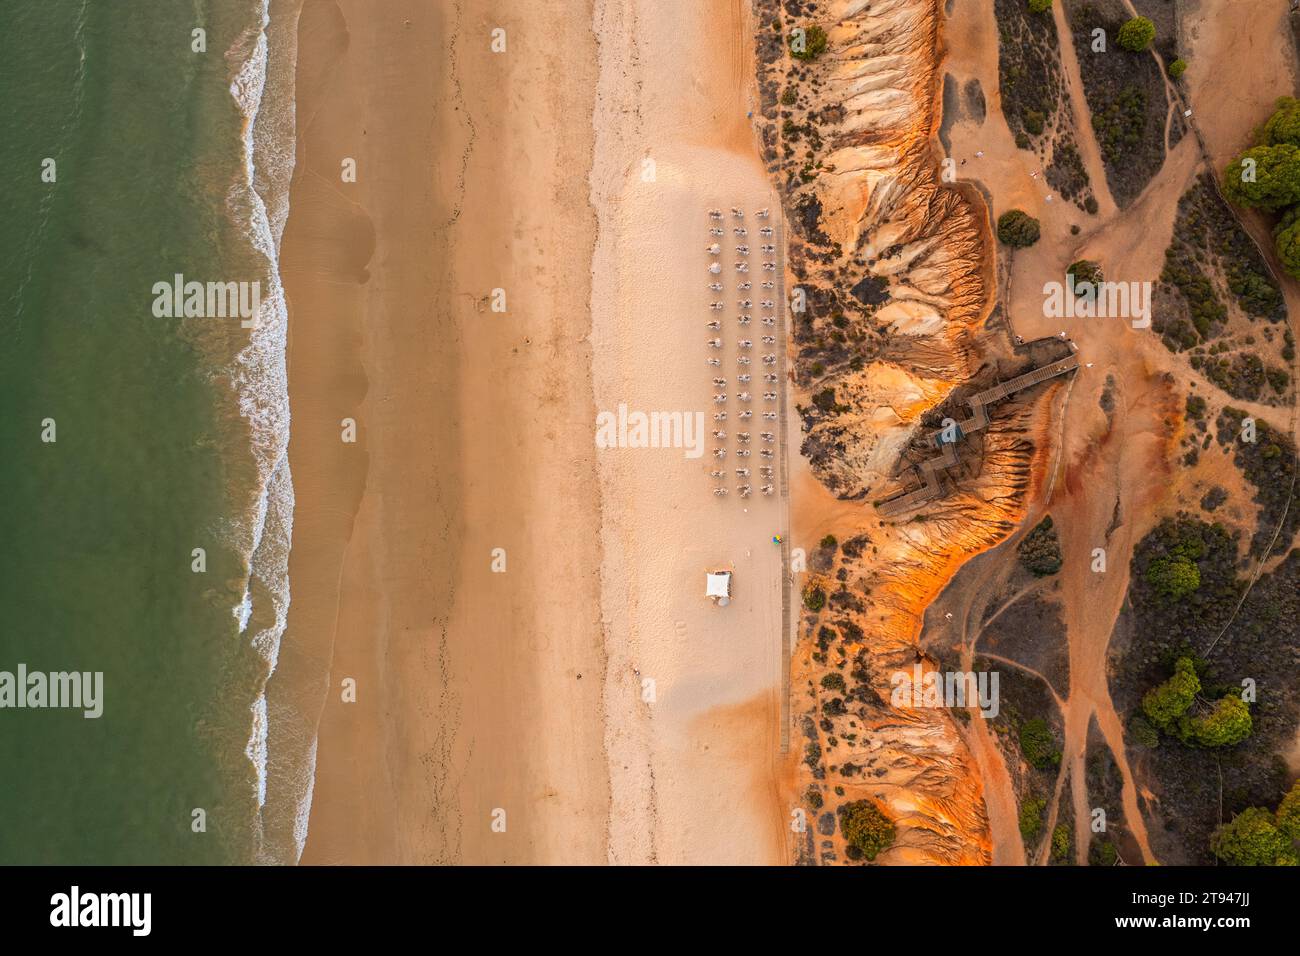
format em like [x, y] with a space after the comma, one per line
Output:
[979, 402]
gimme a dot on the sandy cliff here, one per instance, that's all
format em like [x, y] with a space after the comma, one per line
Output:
[897, 268]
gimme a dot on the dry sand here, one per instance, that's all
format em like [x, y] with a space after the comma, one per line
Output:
[694, 775]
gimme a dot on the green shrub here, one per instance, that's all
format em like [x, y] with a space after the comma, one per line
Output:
[1142, 733]
[1040, 552]
[1034, 122]
[812, 754]
[1177, 68]
[1102, 854]
[789, 96]
[834, 681]
[1039, 6]
[1018, 229]
[1288, 814]
[1061, 843]
[1031, 817]
[865, 828]
[1038, 745]
[1136, 35]
[828, 542]
[809, 45]
[1174, 577]
[814, 598]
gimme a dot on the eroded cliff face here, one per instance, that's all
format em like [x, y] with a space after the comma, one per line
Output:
[896, 267]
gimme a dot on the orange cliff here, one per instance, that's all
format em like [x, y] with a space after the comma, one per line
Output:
[855, 157]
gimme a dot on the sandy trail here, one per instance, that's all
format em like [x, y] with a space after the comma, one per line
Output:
[999, 794]
[1083, 132]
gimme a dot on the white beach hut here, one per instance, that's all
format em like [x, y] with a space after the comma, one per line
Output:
[717, 586]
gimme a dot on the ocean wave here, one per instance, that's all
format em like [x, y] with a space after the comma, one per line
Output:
[259, 203]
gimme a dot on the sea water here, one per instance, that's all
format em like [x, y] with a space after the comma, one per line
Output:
[145, 498]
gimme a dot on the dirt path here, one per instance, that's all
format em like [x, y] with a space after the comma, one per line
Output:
[1083, 133]
[999, 801]
[986, 580]
[1091, 605]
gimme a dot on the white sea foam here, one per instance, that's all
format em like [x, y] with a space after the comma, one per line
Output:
[259, 201]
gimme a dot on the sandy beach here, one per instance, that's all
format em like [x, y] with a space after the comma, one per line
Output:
[477, 691]
[695, 774]
[497, 586]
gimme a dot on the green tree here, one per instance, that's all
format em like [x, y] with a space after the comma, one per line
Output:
[1227, 723]
[1084, 270]
[1252, 839]
[1018, 229]
[1163, 705]
[1177, 68]
[865, 828]
[1040, 552]
[1175, 577]
[1039, 6]
[1288, 814]
[1264, 177]
[1286, 236]
[1136, 35]
[1284, 125]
